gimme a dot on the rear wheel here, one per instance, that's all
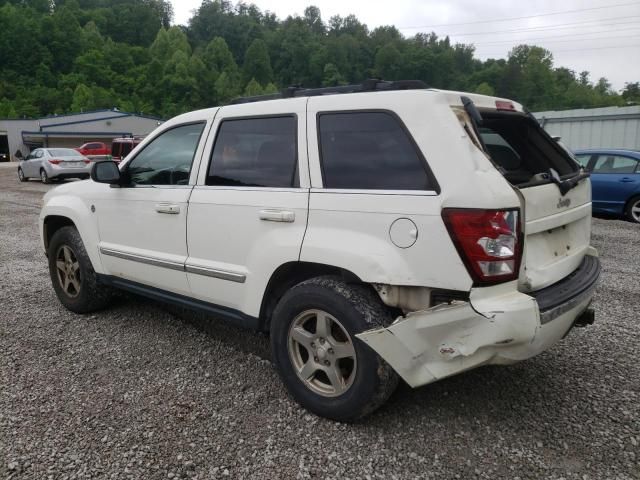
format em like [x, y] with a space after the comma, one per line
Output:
[21, 176]
[44, 177]
[633, 210]
[72, 275]
[321, 362]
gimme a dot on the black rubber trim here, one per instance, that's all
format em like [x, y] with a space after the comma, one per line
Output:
[573, 285]
[230, 315]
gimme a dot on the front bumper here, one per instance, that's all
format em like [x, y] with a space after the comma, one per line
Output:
[499, 325]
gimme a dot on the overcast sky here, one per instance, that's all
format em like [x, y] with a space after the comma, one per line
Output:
[601, 36]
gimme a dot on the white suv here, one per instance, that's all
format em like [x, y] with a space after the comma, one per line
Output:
[377, 231]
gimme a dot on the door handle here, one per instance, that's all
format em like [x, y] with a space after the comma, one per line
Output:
[277, 216]
[627, 180]
[169, 208]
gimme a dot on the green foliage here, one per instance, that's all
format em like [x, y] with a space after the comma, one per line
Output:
[71, 55]
[257, 64]
[253, 88]
[484, 89]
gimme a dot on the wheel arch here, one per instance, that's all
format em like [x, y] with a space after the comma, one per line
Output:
[67, 211]
[289, 274]
[51, 224]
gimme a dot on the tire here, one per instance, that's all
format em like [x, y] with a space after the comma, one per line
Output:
[76, 284]
[366, 381]
[632, 212]
[44, 177]
[21, 176]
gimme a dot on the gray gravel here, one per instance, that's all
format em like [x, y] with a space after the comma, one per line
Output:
[140, 391]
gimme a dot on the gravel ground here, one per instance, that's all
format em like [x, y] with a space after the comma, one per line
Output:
[139, 391]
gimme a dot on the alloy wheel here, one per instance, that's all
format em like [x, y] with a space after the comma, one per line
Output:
[20, 174]
[635, 210]
[322, 353]
[68, 271]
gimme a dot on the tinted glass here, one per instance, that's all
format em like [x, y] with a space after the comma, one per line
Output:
[257, 152]
[94, 146]
[115, 149]
[614, 164]
[369, 150]
[167, 159]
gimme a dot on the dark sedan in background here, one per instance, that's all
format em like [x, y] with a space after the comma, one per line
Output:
[615, 180]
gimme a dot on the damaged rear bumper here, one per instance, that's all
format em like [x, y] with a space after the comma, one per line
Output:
[499, 325]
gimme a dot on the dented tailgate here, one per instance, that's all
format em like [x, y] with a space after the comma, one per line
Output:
[557, 232]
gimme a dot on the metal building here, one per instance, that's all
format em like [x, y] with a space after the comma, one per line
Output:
[71, 130]
[608, 127]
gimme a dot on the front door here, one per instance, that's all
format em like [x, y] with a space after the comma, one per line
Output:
[614, 179]
[142, 227]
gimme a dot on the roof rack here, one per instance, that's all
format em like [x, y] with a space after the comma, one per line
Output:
[369, 85]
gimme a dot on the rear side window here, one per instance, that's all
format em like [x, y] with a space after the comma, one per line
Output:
[255, 152]
[369, 150]
[614, 164]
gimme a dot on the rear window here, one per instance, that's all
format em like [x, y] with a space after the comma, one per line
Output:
[64, 152]
[369, 150]
[522, 150]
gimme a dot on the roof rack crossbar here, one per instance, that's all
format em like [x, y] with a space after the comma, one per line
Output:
[369, 85]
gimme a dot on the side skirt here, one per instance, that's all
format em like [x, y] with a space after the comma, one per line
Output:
[230, 315]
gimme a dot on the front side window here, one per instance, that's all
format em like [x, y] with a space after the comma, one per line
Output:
[255, 152]
[369, 150]
[614, 164]
[168, 158]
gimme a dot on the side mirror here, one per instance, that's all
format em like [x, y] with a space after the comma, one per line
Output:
[106, 172]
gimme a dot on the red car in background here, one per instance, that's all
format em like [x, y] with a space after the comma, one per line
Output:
[94, 149]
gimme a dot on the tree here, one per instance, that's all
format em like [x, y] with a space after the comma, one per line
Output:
[485, 89]
[631, 92]
[257, 63]
[82, 98]
[253, 88]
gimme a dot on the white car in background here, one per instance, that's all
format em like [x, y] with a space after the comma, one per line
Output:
[376, 231]
[49, 164]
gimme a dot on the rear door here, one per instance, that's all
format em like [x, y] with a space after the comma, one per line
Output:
[615, 179]
[248, 212]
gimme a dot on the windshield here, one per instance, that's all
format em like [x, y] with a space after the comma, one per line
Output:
[64, 152]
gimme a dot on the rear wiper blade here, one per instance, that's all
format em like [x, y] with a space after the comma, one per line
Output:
[565, 185]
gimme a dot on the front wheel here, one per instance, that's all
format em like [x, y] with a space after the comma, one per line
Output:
[72, 275]
[321, 362]
[21, 176]
[633, 210]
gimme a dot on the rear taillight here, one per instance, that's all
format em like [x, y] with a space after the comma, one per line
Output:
[489, 242]
[55, 161]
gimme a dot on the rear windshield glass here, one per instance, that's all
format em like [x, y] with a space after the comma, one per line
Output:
[64, 152]
[522, 150]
